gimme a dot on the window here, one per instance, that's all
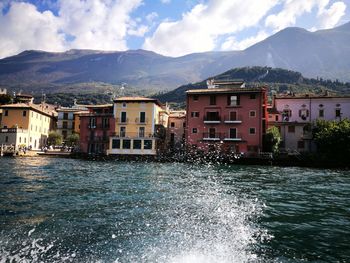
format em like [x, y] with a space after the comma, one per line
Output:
[252, 96]
[65, 116]
[301, 144]
[212, 100]
[24, 113]
[251, 130]
[286, 114]
[212, 133]
[6, 139]
[147, 144]
[184, 125]
[337, 113]
[6, 113]
[303, 114]
[233, 133]
[252, 113]
[212, 116]
[137, 144]
[172, 138]
[92, 123]
[194, 114]
[233, 100]
[142, 117]
[233, 115]
[126, 144]
[64, 125]
[195, 97]
[25, 140]
[321, 113]
[291, 129]
[194, 130]
[141, 132]
[124, 104]
[123, 116]
[172, 124]
[276, 118]
[105, 122]
[122, 131]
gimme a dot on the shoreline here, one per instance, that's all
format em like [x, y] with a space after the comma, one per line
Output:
[187, 158]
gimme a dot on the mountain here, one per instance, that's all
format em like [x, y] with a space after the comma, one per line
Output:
[324, 53]
[278, 80]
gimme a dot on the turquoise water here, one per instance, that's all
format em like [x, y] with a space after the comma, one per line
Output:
[62, 210]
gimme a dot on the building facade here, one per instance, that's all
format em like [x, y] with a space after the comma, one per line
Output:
[227, 117]
[176, 130]
[68, 120]
[297, 114]
[26, 125]
[140, 126]
[96, 127]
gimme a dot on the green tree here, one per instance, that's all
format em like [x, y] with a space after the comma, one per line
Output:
[73, 140]
[272, 140]
[54, 138]
[5, 99]
[333, 140]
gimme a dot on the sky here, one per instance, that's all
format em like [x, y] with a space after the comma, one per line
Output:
[168, 27]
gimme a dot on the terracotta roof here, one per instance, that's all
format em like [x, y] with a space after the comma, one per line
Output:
[225, 90]
[137, 99]
[37, 107]
[177, 114]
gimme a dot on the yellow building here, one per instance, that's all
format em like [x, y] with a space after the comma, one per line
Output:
[140, 126]
[26, 125]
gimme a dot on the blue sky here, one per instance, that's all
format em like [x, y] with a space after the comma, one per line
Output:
[168, 27]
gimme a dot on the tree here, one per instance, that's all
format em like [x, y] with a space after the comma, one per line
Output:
[5, 99]
[73, 140]
[272, 140]
[333, 140]
[54, 138]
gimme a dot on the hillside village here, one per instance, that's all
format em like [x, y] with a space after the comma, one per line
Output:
[225, 119]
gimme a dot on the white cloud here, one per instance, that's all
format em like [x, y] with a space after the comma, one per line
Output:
[296, 8]
[88, 24]
[24, 27]
[165, 1]
[232, 44]
[151, 17]
[199, 28]
[330, 17]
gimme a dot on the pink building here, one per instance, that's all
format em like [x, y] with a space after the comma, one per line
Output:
[227, 116]
[295, 115]
[95, 129]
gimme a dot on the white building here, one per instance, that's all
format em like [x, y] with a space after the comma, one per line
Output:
[296, 113]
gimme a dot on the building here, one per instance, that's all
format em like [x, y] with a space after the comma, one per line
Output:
[3, 91]
[295, 115]
[68, 120]
[176, 129]
[26, 124]
[140, 126]
[226, 117]
[96, 127]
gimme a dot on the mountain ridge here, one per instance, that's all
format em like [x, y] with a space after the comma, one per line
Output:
[323, 53]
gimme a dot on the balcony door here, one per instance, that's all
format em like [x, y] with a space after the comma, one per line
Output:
[233, 133]
[212, 133]
[142, 117]
[233, 115]
[142, 132]
[123, 116]
[213, 116]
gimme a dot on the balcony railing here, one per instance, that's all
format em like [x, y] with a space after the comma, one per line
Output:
[122, 120]
[134, 135]
[12, 130]
[212, 119]
[229, 119]
[221, 136]
[141, 121]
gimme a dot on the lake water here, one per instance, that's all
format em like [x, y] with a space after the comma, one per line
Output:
[63, 210]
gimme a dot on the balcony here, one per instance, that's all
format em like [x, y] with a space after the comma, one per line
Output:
[13, 130]
[141, 121]
[134, 135]
[232, 137]
[211, 136]
[212, 119]
[232, 119]
[92, 126]
[122, 120]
